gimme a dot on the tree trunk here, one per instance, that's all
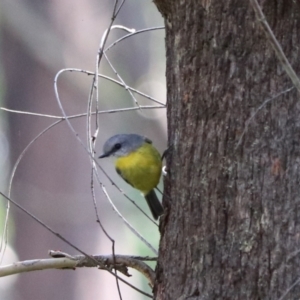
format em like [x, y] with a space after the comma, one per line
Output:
[232, 192]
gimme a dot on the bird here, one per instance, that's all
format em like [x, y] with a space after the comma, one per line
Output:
[139, 163]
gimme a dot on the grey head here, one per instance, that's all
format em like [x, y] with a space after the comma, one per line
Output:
[123, 144]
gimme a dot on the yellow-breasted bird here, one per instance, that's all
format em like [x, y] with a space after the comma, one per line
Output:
[139, 164]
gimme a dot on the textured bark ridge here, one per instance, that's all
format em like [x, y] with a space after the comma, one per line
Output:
[233, 188]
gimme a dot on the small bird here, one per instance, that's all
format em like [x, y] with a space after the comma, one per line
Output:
[139, 164]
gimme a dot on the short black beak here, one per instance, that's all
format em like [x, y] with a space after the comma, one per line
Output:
[103, 155]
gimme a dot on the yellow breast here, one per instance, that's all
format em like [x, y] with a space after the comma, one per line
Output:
[141, 168]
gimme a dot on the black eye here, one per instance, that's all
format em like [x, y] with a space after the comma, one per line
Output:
[117, 146]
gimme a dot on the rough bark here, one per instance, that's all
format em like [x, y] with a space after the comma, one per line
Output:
[232, 222]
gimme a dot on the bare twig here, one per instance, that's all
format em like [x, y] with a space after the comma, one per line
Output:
[68, 242]
[132, 229]
[5, 230]
[289, 289]
[114, 81]
[275, 44]
[108, 111]
[134, 33]
[120, 78]
[62, 260]
[258, 109]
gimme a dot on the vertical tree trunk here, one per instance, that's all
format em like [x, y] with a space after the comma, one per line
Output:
[232, 192]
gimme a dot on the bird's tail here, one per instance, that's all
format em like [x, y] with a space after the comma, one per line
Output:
[154, 204]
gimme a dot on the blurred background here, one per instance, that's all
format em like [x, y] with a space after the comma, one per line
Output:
[53, 179]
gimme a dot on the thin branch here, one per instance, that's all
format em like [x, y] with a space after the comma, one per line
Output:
[109, 111]
[5, 230]
[91, 138]
[131, 34]
[120, 262]
[62, 260]
[275, 44]
[120, 78]
[132, 229]
[289, 289]
[89, 73]
[258, 109]
[68, 243]
[36, 265]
